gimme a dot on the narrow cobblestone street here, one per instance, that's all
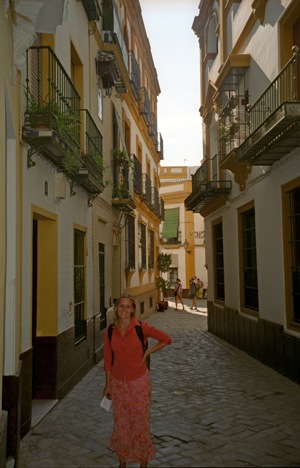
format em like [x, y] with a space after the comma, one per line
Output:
[212, 405]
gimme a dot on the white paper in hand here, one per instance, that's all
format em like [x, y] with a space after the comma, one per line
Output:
[106, 403]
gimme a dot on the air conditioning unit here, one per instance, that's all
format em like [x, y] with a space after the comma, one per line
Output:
[115, 239]
[108, 37]
[60, 185]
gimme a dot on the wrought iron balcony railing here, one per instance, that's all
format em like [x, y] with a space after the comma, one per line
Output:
[92, 9]
[109, 70]
[206, 194]
[112, 61]
[144, 106]
[112, 30]
[91, 175]
[52, 113]
[273, 129]
[123, 193]
[152, 129]
[161, 214]
[200, 177]
[54, 123]
[147, 189]
[138, 182]
[155, 201]
[134, 75]
[173, 240]
[160, 146]
[204, 191]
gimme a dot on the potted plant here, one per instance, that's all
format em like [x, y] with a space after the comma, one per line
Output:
[164, 262]
[119, 157]
[47, 113]
[122, 160]
[71, 164]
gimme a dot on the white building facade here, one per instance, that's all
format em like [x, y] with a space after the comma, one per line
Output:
[247, 188]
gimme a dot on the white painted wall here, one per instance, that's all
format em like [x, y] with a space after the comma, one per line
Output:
[266, 193]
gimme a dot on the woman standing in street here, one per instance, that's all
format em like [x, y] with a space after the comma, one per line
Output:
[178, 293]
[128, 382]
[193, 293]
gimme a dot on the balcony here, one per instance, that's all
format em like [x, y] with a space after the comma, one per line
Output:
[172, 241]
[52, 117]
[53, 123]
[147, 190]
[144, 106]
[138, 183]
[112, 63]
[92, 9]
[91, 174]
[123, 191]
[160, 146]
[161, 213]
[274, 120]
[108, 69]
[152, 129]
[134, 75]
[206, 194]
[155, 201]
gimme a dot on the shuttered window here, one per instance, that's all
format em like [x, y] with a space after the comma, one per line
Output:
[171, 222]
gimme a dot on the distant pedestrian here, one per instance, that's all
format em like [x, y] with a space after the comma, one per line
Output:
[178, 293]
[128, 382]
[193, 293]
[200, 289]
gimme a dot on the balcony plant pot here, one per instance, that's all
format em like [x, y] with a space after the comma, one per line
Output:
[233, 102]
[162, 306]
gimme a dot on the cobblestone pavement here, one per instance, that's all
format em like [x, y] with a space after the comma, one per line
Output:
[212, 406]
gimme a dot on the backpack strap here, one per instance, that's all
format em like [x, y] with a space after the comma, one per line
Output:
[109, 333]
[110, 330]
[140, 334]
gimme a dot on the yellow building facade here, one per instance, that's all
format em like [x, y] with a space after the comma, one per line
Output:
[182, 233]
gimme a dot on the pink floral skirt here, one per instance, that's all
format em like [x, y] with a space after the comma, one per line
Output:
[131, 437]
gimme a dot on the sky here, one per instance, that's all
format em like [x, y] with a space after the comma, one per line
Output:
[175, 52]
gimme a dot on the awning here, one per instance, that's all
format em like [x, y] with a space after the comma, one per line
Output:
[170, 226]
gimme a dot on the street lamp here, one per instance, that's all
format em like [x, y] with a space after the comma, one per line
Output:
[186, 246]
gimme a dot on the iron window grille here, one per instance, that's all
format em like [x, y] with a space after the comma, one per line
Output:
[294, 199]
[130, 244]
[219, 261]
[249, 263]
[79, 286]
[142, 247]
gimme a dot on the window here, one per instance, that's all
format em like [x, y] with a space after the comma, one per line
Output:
[142, 247]
[294, 254]
[130, 244]
[291, 236]
[170, 226]
[79, 285]
[101, 253]
[150, 250]
[248, 259]
[219, 261]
